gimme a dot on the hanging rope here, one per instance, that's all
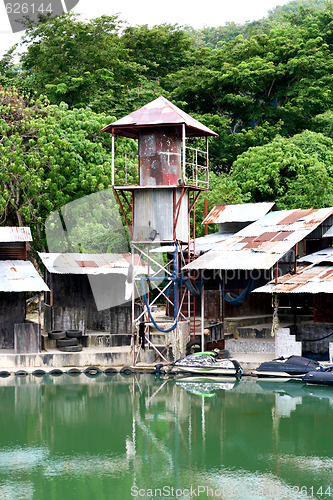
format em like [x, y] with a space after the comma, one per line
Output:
[194, 288]
[275, 322]
[316, 340]
[239, 300]
[149, 313]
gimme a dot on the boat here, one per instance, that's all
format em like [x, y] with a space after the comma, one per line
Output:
[208, 362]
[292, 367]
[320, 378]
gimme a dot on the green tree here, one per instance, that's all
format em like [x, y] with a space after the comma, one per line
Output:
[49, 156]
[324, 123]
[223, 189]
[158, 50]
[81, 63]
[216, 37]
[281, 11]
[277, 80]
[8, 71]
[296, 172]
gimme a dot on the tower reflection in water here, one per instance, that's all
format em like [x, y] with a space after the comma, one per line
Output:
[68, 437]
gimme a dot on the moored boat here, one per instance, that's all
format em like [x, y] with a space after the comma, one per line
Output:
[208, 362]
[292, 367]
[319, 378]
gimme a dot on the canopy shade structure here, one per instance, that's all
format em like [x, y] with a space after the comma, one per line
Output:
[20, 276]
[264, 242]
[9, 234]
[314, 274]
[91, 264]
[238, 212]
[307, 279]
[157, 113]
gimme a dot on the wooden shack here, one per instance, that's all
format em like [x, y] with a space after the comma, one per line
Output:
[17, 277]
[88, 292]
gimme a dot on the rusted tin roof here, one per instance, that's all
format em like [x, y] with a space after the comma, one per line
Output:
[20, 276]
[205, 243]
[325, 255]
[238, 212]
[307, 279]
[12, 234]
[264, 242]
[157, 113]
[81, 263]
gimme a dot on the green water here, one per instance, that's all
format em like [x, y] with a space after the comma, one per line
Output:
[117, 437]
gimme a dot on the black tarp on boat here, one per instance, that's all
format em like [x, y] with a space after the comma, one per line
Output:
[294, 366]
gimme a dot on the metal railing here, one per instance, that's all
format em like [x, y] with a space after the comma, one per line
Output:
[196, 168]
[195, 172]
[126, 169]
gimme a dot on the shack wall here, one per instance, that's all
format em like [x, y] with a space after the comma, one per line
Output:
[255, 305]
[234, 282]
[323, 307]
[72, 306]
[12, 311]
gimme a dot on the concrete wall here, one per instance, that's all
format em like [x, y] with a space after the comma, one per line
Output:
[12, 311]
[63, 359]
[286, 344]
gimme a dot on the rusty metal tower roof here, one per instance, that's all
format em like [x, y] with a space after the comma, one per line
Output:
[157, 113]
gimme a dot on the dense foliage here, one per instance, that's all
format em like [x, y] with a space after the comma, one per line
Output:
[294, 171]
[265, 87]
[49, 155]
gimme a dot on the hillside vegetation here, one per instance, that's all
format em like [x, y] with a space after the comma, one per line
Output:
[264, 87]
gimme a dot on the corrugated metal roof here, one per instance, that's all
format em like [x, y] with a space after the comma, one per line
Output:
[11, 234]
[83, 263]
[261, 244]
[239, 212]
[158, 112]
[325, 255]
[20, 276]
[308, 279]
[163, 249]
[205, 243]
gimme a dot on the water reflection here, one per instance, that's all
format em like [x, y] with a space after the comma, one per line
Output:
[206, 386]
[123, 437]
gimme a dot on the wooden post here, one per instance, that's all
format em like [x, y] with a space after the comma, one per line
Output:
[112, 173]
[202, 318]
[40, 321]
[295, 261]
[184, 153]
[276, 272]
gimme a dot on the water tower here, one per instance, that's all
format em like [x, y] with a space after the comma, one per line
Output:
[157, 188]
